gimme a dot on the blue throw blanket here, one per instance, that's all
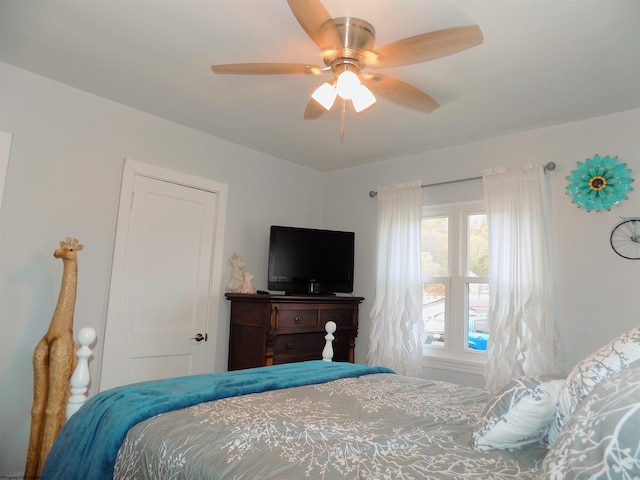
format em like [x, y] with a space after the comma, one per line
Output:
[88, 444]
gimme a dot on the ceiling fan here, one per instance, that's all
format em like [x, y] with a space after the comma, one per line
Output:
[347, 47]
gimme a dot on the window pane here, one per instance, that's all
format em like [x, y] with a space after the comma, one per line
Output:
[435, 247]
[478, 242]
[433, 295]
[478, 302]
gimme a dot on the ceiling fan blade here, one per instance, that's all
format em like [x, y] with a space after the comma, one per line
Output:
[428, 46]
[266, 68]
[317, 22]
[314, 110]
[399, 92]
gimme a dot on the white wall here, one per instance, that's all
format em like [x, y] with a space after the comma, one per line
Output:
[64, 180]
[598, 292]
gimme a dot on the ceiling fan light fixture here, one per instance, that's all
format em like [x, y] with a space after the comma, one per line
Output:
[348, 85]
[325, 95]
[363, 99]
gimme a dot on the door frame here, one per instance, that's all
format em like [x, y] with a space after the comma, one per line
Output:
[130, 170]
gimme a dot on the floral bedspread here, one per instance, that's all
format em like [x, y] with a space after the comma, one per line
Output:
[378, 426]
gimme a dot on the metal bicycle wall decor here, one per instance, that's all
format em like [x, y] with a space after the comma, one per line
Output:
[625, 238]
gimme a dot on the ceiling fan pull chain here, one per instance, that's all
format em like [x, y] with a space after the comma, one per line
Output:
[343, 114]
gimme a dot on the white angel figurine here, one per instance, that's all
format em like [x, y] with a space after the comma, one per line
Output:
[237, 274]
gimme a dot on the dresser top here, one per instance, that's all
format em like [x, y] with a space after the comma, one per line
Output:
[266, 297]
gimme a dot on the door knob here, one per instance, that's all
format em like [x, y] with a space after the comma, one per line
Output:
[199, 337]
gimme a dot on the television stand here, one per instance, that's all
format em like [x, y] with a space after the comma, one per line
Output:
[273, 329]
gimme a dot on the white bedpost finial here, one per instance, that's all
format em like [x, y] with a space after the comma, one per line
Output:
[327, 351]
[81, 376]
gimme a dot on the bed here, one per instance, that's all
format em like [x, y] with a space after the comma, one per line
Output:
[331, 420]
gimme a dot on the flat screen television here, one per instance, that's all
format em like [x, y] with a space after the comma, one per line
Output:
[310, 261]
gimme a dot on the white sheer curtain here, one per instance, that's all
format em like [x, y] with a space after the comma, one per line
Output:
[524, 336]
[396, 333]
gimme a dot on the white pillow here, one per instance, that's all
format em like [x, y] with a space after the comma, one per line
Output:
[617, 355]
[519, 414]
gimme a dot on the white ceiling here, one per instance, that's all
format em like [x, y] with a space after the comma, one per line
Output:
[543, 62]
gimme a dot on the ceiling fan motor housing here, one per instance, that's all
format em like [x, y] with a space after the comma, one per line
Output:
[357, 38]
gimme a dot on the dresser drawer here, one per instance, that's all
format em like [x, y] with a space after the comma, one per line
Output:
[298, 344]
[296, 318]
[343, 317]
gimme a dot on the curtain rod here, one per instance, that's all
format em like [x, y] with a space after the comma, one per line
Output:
[549, 167]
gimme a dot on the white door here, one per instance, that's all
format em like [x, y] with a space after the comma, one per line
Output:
[165, 276]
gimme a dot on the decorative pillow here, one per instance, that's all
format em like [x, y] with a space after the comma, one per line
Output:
[519, 414]
[601, 439]
[591, 372]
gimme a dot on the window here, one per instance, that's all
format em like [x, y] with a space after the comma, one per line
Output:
[455, 275]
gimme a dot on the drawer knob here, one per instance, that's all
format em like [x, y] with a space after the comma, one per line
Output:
[289, 346]
[297, 319]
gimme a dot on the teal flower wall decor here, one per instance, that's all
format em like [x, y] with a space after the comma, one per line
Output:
[599, 182]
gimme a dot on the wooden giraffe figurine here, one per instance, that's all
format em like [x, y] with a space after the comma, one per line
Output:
[53, 363]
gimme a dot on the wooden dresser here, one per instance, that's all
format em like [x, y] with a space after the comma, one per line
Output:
[272, 329]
